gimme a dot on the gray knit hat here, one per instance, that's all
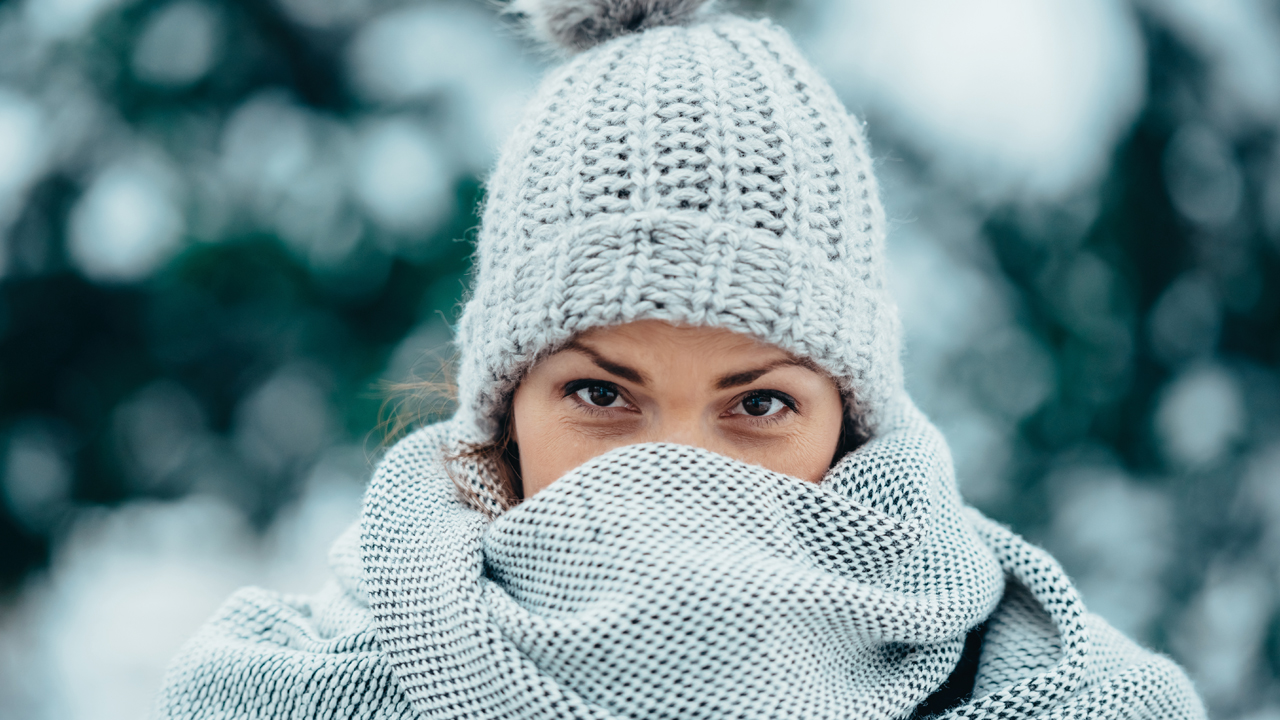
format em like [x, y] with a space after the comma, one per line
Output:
[684, 166]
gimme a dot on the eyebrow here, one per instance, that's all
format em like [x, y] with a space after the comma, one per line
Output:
[725, 382]
[747, 377]
[622, 371]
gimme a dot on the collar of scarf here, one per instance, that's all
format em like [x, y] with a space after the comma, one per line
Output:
[664, 581]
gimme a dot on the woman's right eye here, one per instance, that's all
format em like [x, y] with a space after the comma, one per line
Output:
[600, 395]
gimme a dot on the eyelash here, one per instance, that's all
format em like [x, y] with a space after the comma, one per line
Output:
[777, 417]
[571, 389]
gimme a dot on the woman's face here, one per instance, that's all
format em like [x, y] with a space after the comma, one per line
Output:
[650, 381]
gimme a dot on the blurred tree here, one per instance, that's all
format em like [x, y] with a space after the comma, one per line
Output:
[227, 224]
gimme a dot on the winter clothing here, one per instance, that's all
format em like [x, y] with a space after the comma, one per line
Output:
[693, 169]
[664, 581]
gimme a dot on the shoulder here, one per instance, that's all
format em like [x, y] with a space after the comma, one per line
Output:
[425, 447]
[1044, 649]
[268, 654]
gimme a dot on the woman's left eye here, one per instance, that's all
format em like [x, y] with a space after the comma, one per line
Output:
[601, 396]
[759, 405]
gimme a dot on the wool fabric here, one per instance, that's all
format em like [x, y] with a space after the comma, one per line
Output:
[665, 581]
[702, 174]
[699, 173]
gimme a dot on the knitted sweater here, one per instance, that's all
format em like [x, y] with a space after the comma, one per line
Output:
[663, 581]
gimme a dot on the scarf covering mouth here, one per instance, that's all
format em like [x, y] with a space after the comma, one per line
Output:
[664, 581]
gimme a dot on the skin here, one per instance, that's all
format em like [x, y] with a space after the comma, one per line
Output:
[650, 381]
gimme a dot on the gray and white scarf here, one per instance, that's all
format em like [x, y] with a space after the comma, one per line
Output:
[663, 581]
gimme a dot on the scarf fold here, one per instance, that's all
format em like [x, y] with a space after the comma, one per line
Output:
[663, 581]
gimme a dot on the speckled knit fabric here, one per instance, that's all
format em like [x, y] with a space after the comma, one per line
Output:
[701, 174]
[663, 581]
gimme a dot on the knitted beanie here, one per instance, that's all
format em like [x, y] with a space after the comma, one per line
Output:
[687, 166]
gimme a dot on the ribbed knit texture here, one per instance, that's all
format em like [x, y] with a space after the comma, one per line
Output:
[700, 174]
[664, 581]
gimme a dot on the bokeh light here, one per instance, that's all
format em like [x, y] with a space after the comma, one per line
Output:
[228, 229]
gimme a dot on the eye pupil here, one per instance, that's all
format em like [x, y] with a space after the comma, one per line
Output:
[757, 404]
[602, 395]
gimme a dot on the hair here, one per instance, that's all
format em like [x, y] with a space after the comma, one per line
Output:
[502, 456]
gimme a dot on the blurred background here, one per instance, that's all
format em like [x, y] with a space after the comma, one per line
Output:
[227, 227]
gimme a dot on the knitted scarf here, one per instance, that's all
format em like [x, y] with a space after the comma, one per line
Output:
[663, 581]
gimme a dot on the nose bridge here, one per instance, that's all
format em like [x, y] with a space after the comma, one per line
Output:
[683, 425]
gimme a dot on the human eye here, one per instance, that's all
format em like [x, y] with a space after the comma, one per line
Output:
[596, 394]
[763, 404]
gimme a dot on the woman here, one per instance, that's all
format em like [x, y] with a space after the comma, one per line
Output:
[684, 480]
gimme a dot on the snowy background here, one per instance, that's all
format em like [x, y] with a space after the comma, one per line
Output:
[227, 227]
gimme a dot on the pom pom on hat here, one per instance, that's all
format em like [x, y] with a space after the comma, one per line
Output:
[576, 25]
